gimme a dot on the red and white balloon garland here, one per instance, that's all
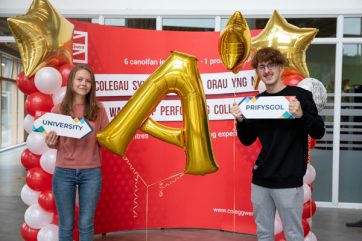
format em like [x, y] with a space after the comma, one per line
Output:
[44, 89]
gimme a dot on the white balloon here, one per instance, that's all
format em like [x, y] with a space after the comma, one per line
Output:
[313, 237]
[307, 192]
[310, 237]
[59, 95]
[29, 196]
[48, 233]
[36, 143]
[28, 123]
[310, 222]
[36, 217]
[309, 175]
[278, 225]
[47, 160]
[48, 80]
[318, 90]
[261, 87]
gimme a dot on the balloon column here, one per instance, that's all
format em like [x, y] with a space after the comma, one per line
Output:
[44, 39]
[293, 42]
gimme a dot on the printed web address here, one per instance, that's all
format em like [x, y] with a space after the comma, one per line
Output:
[232, 211]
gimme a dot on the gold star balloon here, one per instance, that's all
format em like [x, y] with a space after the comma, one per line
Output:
[44, 37]
[235, 42]
[291, 40]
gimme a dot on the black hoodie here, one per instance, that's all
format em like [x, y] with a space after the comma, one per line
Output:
[282, 161]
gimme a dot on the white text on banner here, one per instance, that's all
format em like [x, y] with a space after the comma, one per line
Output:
[213, 83]
[171, 110]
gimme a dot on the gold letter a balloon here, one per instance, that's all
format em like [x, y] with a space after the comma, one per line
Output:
[44, 37]
[178, 74]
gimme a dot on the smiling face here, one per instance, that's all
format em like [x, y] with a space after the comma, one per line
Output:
[269, 64]
[82, 83]
[270, 74]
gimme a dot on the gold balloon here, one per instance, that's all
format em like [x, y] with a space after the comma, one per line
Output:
[178, 74]
[44, 37]
[256, 82]
[235, 42]
[291, 40]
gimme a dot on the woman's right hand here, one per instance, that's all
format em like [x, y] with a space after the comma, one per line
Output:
[51, 139]
[236, 112]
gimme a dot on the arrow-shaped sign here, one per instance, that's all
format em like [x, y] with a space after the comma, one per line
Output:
[266, 107]
[63, 125]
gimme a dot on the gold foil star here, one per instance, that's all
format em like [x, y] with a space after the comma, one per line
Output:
[291, 40]
[44, 37]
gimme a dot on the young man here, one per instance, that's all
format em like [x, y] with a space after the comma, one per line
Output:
[279, 169]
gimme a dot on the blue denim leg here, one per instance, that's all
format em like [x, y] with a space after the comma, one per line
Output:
[89, 187]
[64, 189]
[65, 181]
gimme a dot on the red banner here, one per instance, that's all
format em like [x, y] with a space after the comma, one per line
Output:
[147, 188]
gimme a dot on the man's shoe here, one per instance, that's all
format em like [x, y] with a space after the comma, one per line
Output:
[355, 224]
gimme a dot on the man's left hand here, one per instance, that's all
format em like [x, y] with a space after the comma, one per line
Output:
[294, 108]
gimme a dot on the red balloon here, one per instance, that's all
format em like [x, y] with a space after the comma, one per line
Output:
[46, 201]
[64, 71]
[55, 219]
[29, 159]
[76, 217]
[306, 227]
[280, 237]
[313, 142]
[38, 180]
[38, 102]
[289, 71]
[293, 79]
[28, 233]
[76, 234]
[309, 209]
[25, 84]
[311, 187]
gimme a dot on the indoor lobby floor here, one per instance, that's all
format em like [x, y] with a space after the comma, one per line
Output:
[328, 223]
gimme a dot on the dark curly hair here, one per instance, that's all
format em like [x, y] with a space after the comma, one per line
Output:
[268, 54]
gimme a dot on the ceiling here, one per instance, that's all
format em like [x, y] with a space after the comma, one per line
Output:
[7, 47]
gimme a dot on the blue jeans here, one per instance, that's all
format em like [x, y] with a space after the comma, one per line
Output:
[65, 182]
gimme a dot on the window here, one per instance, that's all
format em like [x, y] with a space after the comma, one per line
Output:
[327, 26]
[8, 115]
[140, 23]
[351, 125]
[189, 24]
[12, 102]
[352, 27]
[321, 64]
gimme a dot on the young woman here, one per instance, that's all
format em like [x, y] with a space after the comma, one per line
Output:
[78, 160]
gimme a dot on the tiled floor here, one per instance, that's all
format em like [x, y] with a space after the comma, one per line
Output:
[328, 223]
